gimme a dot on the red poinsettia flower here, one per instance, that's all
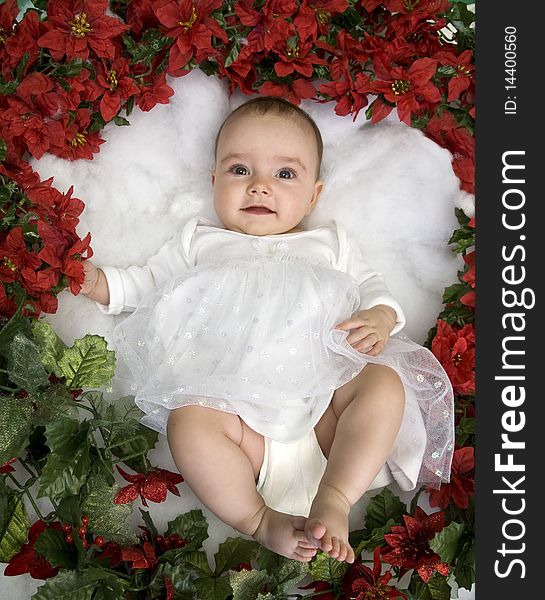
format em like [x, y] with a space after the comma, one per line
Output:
[241, 72]
[6, 467]
[295, 91]
[465, 71]
[269, 24]
[191, 26]
[114, 84]
[8, 305]
[23, 40]
[296, 57]
[37, 131]
[77, 142]
[408, 545]
[153, 486]
[27, 560]
[75, 27]
[462, 481]
[72, 265]
[403, 87]
[351, 95]
[417, 30]
[408, 6]
[362, 583]
[313, 17]
[140, 15]
[141, 558]
[14, 256]
[156, 92]
[454, 347]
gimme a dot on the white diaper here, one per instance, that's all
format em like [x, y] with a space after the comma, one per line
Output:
[290, 474]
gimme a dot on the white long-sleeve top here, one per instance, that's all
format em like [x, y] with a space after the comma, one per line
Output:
[201, 240]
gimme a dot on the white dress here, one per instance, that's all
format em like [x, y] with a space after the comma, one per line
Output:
[246, 324]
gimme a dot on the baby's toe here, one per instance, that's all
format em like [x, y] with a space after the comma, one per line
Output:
[343, 551]
[350, 557]
[306, 552]
[315, 531]
[335, 547]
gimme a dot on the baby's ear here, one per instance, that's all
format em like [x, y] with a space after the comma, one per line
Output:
[318, 187]
[213, 174]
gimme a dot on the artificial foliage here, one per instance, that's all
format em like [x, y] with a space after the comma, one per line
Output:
[67, 67]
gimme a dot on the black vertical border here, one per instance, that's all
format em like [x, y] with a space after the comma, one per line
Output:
[497, 133]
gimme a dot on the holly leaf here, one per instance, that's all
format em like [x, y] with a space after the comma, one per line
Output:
[105, 517]
[445, 542]
[234, 551]
[197, 562]
[15, 426]
[24, 364]
[372, 540]
[191, 526]
[51, 404]
[181, 579]
[325, 568]
[213, 588]
[382, 508]
[88, 363]
[464, 570]
[130, 441]
[246, 585]
[68, 464]
[69, 510]
[67, 585]
[52, 545]
[14, 523]
[50, 346]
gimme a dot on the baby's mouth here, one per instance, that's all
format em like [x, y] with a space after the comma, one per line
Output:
[258, 210]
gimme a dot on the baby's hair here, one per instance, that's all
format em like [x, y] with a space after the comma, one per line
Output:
[271, 104]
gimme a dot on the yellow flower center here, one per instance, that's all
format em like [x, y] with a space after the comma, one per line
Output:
[322, 15]
[410, 4]
[457, 359]
[25, 116]
[79, 26]
[464, 70]
[185, 25]
[400, 86]
[3, 35]
[10, 264]
[112, 80]
[292, 52]
[79, 140]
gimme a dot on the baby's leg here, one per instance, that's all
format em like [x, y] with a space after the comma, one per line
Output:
[220, 457]
[356, 434]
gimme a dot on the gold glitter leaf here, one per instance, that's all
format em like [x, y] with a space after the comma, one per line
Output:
[50, 344]
[88, 363]
[14, 524]
[15, 426]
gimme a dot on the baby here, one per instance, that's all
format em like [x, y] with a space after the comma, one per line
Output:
[263, 350]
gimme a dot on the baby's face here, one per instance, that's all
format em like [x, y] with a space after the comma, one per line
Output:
[265, 176]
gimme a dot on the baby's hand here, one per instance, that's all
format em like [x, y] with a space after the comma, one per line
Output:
[370, 329]
[91, 277]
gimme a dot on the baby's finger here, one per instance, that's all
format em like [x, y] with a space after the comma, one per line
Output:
[367, 344]
[359, 334]
[377, 348]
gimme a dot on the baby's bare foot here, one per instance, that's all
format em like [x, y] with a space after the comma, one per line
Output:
[327, 524]
[283, 534]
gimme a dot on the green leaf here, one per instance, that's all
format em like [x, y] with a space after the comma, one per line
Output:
[325, 568]
[15, 426]
[88, 363]
[50, 344]
[291, 572]
[69, 511]
[382, 508]
[67, 585]
[51, 404]
[213, 588]
[24, 364]
[181, 579]
[197, 562]
[232, 55]
[14, 523]
[464, 570]
[52, 545]
[246, 585]
[121, 121]
[439, 588]
[191, 526]
[234, 551]
[445, 541]
[131, 441]
[105, 517]
[68, 464]
[3, 149]
[108, 585]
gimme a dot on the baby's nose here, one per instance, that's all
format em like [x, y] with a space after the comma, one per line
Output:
[257, 187]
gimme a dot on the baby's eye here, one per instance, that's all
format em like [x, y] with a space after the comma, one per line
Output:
[238, 170]
[287, 174]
